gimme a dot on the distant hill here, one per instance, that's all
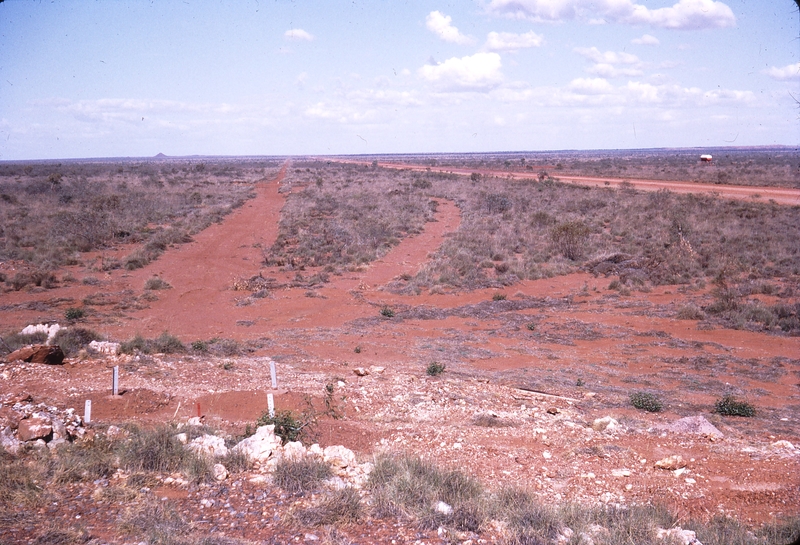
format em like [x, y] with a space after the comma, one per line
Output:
[160, 156]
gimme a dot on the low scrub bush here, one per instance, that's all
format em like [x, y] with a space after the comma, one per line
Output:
[690, 312]
[289, 426]
[410, 487]
[163, 344]
[335, 508]
[74, 313]
[435, 369]
[299, 477]
[156, 283]
[73, 339]
[730, 406]
[387, 311]
[646, 402]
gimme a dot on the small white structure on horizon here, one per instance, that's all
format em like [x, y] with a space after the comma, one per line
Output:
[705, 158]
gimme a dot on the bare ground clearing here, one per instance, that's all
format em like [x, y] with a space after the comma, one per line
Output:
[565, 344]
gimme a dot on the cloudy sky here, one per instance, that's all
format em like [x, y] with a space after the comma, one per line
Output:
[273, 77]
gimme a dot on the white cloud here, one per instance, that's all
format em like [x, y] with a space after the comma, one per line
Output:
[590, 86]
[508, 41]
[606, 63]
[480, 71]
[646, 39]
[298, 34]
[610, 71]
[608, 57]
[684, 15]
[789, 72]
[439, 23]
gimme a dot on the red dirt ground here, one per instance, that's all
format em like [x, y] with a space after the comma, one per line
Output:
[589, 349]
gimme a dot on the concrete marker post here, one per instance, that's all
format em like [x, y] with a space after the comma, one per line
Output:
[115, 381]
[271, 405]
[87, 412]
[273, 374]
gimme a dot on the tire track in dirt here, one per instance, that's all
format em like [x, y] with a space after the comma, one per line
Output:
[202, 305]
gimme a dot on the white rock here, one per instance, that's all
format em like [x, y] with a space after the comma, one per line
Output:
[671, 462]
[605, 424]
[695, 424]
[621, 472]
[220, 473]
[315, 450]
[49, 330]
[209, 446]
[783, 444]
[195, 421]
[443, 508]
[338, 457]
[259, 447]
[104, 347]
[293, 450]
[205, 502]
[678, 535]
[10, 443]
[182, 438]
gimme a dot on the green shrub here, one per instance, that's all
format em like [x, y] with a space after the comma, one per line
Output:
[301, 476]
[200, 346]
[435, 369]
[646, 402]
[387, 311]
[154, 449]
[288, 425]
[531, 326]
[73, 313]
[730, 406]
[498, 296]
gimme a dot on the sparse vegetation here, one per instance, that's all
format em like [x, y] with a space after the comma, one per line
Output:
[301, 476]
[96, 205]
[289, 426]
[646, 402]
[163, 344]
[74, 314]
[435, 369]
[73, 339]
[156, 283]
[387, 311]
[731, 406]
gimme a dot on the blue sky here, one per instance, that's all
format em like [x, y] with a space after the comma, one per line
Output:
[275, 77]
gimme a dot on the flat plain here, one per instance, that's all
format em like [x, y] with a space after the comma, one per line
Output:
[481, 312]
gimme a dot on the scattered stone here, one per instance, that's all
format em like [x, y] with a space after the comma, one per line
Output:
[105, 347]
[621, 472]
[443, 508]
[783, 445]
[49, 330]
[294, 451]
[553, 410]
[695, 424]
[260, 446]
[671, 462]
[678, 535]
[10, 443]
[377, 369]
[37, 426]
[209, 446]
[38, 353]
[360, 371]
[606, 423]
[219, 472]
[339, 457]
